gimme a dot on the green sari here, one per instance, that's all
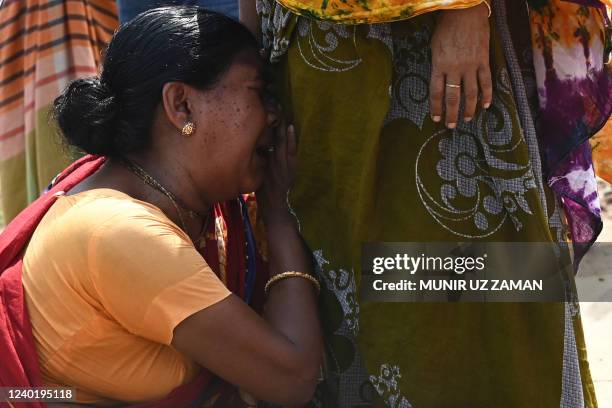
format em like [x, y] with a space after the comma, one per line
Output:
[374, 167]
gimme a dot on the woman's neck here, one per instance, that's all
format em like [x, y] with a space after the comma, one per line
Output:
[173, 177]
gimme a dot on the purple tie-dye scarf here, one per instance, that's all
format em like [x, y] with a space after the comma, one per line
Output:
[569, 45]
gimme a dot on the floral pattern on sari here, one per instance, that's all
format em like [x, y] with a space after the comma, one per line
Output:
[573, 84]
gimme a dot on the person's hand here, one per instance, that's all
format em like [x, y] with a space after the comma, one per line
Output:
[272, 196]
[460, 62]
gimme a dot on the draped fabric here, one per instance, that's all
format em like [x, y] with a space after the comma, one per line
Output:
[569, 39]
[44, 44]
[384, 11]
[20, 367]
[575, 101]
[371, 11]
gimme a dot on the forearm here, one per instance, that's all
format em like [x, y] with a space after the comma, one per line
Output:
[482, 8]
[291, 306]
[292, 310]
[286, 249]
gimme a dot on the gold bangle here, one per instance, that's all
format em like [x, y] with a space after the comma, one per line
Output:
[292, 274]
[486, 2]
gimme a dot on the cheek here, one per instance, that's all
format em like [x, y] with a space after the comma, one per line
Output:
[233, 126]
[237, 109]
[247, 116]
[245, 127]
[231, 154]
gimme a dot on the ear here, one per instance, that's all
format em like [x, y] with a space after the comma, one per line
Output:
[178, 103]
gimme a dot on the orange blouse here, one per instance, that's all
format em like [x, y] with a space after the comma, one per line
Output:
[107, 278]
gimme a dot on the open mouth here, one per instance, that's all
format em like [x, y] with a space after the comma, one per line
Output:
[266, 150]
[265, 146]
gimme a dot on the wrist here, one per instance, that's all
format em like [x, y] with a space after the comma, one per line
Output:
[292, 274]
[277, 216]
[482, 9]
[488, 5]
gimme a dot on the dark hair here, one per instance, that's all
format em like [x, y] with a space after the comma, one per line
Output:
[112, 115]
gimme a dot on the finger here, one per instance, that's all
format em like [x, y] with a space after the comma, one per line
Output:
[281, 148]
[470, 93]
[452, 97]
[291, 151]
[486, 86]
[278, 137]
[436, 95]
[291, 142]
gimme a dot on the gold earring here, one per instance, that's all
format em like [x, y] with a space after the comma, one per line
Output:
[188, 129]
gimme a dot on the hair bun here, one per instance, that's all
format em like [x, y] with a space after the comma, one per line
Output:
[86, 113]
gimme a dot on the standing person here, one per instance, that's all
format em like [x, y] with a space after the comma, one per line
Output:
[128, 9]
[453, 124]
[45, 45]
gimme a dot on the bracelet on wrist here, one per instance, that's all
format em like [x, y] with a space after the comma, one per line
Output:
[292, 274]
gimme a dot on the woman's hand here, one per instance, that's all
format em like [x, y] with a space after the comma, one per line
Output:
[272, 196]
[460, 62]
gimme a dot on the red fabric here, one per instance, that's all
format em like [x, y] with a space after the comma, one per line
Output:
[236, 272]
[183, 395]
[19, 365]
[236, 255]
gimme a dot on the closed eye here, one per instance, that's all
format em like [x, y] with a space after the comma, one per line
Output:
[266, 93]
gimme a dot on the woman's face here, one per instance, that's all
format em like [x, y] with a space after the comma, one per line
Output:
[235, 123]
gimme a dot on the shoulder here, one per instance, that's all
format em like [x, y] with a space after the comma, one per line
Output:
[106, 213]
[81, 226]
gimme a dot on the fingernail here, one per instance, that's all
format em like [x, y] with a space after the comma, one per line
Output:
[436, 118]
[451, 125]
[468, 119]
[291, 129]
[487, 105]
